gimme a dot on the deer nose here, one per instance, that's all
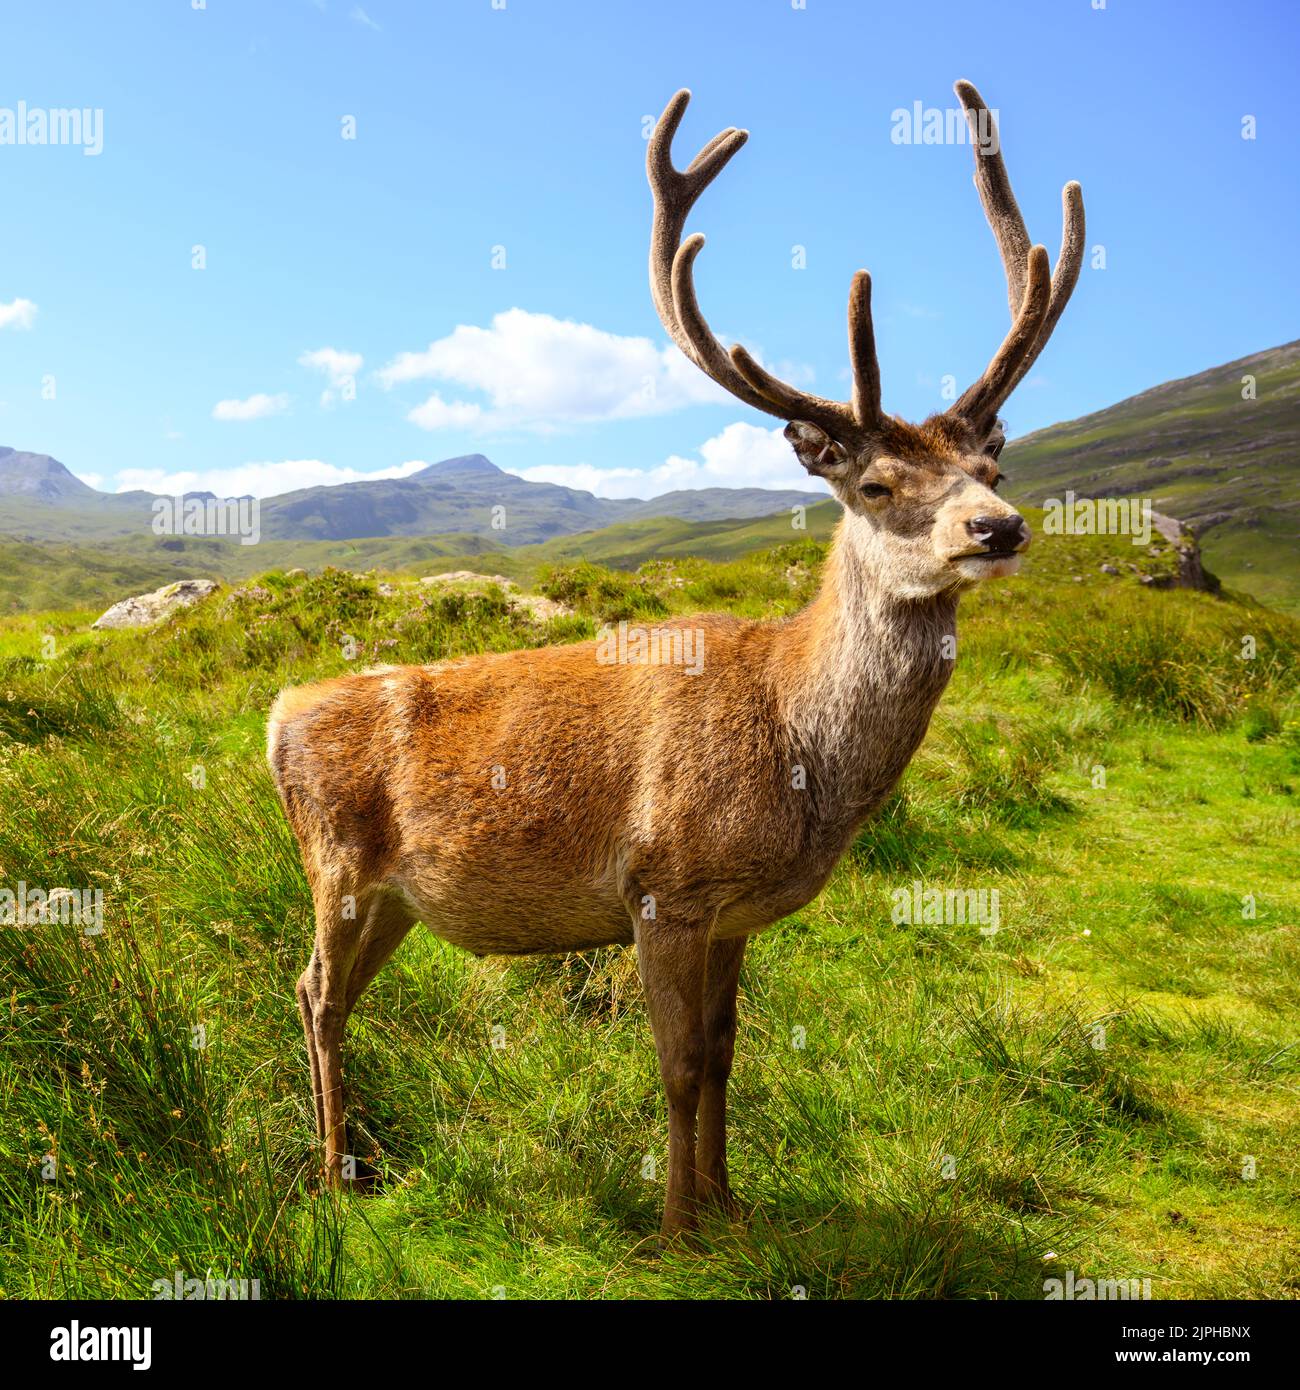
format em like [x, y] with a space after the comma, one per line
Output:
[998, 532]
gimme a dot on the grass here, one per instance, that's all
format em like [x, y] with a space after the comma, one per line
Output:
[36, 576]
[918, 1110]
[1205, 449]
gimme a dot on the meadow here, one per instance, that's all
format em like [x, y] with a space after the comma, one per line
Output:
[1105, 1084]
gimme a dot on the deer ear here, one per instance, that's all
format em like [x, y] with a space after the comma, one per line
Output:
[815, 449]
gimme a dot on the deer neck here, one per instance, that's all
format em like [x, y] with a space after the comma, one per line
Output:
[861, 670]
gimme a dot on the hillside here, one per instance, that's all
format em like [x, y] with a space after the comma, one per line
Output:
[1228, 466]
[41, 501]
[36, 577]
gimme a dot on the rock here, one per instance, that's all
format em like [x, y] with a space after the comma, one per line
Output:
[1191, 574]
[539, 609]
[1109, 569]
[468, 577]
[146, 609]
[387, 590]
[295, 574]
[1078, 579]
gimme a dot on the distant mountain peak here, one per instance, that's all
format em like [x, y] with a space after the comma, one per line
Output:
[38, 476]
[465, 465]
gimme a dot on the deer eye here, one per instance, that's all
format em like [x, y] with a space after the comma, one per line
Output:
[875, 490]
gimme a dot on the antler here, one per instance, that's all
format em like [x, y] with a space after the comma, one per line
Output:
[1025, 266]
[672, 286]
[1036, 299]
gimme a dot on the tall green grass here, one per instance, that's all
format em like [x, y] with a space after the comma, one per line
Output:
[917, 1110]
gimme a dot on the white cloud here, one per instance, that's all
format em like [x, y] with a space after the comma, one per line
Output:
[437, 414]
[95, 480]
[256, 479]
[339, 367]
[541, 374]
[19, 313]
[336, 364]
[256, 407]
[743, 455]
[359, 16]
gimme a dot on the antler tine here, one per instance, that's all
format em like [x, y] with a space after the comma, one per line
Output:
[672, 283]
[862, 353]
[1069, 262]
[834, 416]
[994, 187]
[980, 403]
[1004, 217]
[675, 194]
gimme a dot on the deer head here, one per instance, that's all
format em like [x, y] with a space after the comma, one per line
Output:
[920, 499]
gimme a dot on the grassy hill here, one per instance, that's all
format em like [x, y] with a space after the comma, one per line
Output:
[1228, 466]
[917, 1111]
[36, 577]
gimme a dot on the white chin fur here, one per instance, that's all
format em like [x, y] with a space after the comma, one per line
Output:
[976, 567]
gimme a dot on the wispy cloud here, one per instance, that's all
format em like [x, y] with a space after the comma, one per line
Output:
[437, 414]
[18, 313]
[339, 367]
[359, 16]
[256, 407]
[265, 479]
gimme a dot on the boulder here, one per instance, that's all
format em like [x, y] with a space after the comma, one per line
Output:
[1191, 574]
[146, 609]
[468, 577]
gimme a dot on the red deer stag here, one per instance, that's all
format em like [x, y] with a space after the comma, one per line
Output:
[550, 800]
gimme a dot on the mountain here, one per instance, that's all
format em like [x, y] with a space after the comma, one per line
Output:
[721, 503]
[460, 494]
[469, 494]
[1219, 450]
[40, 478]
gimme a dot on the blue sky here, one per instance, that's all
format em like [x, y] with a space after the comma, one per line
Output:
[522, 128]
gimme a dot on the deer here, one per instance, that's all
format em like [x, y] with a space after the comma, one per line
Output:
[544, 800]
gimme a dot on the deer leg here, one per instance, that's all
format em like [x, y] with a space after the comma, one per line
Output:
[309, 1032]
[388, 919]
[671, 959]
[324, 985]
[720, 980]
[347, 957]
